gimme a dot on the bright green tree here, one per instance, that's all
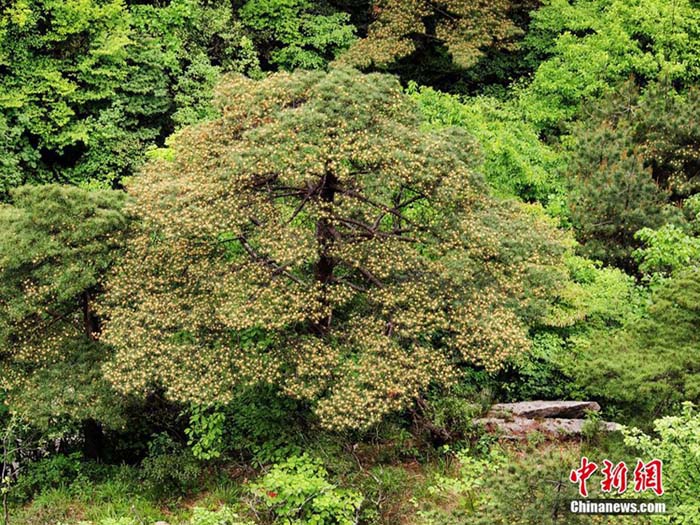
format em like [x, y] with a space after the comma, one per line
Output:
[88, 85]
[653, 362]
[515, 161]
[315, 238]
[59, 59]
[670, 248]
[584, 48]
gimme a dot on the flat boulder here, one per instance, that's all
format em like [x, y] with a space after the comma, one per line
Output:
[574, 427]
[544, 409]
[519, 427]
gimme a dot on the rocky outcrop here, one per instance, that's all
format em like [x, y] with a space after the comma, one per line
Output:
[558, 419]
[544, 409]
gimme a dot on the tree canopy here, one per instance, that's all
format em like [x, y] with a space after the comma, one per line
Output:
[57, 244]
[314, 238]
[465, 28]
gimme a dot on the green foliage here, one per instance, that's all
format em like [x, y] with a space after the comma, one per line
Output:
[57, 243]
[331, 249]
[455, 410]
[53, 472]
[59, 59]
[97, 494]
[205, 432]
[586, 47]
[327, 264]
[466, 485]
[596, 298]
[223, 516]
[593, 303]
[677, 443]
[297, 33]
[670, 248]
[264, 425]
[522, 486]
[169, 470]
[87, 86]
[515, 161]
[650, 364]
[297, 492]
[630, 159]
[200, 516]
[539, 374]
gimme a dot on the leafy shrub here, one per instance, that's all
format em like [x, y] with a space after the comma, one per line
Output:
[223, 516]
[678, 446]
[446, 416]
[55, 471]
[206, 432]
[594, 302]
[467, 486]
[298, 492]
[263, 425]
[539, 374]
[169, 469]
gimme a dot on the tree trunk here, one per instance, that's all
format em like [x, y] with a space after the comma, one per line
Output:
[93, 439]
[323, 269]
[90, 321]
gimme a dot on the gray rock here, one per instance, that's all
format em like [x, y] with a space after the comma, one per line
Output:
[574, 426]
[510, 427]
[544, 409]
[519, 427]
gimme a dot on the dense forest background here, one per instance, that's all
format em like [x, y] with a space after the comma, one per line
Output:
[267, 261]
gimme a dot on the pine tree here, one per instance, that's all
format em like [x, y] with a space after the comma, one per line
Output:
[56, 246]
[633, 158]
[316, 239]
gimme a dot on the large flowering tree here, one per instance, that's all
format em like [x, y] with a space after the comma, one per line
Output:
[316, 238]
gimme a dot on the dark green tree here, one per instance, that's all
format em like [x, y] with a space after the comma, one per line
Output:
[293, 34]
[634, 156]
[57, 242]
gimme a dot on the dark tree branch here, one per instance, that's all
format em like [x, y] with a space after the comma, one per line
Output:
[277, 268]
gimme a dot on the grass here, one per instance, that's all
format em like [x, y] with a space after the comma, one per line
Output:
[429, 489]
